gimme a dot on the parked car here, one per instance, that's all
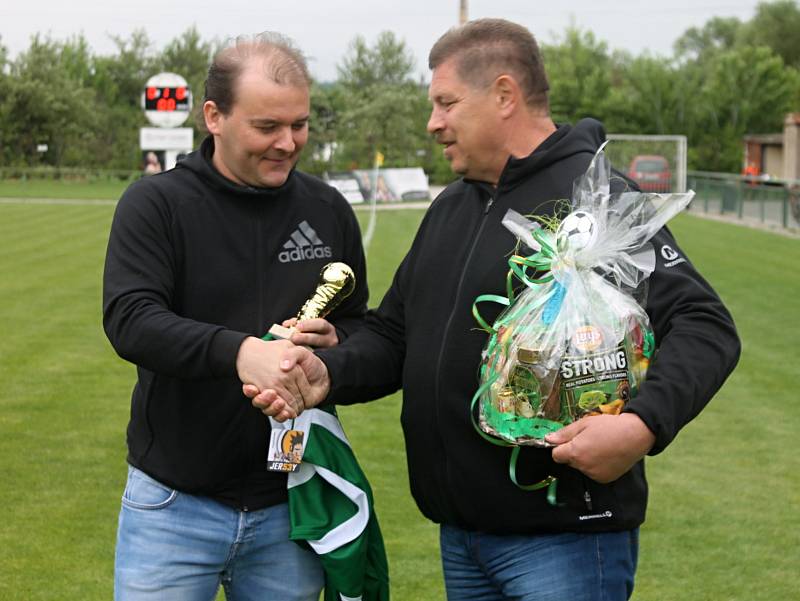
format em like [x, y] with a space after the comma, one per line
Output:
[651, 172]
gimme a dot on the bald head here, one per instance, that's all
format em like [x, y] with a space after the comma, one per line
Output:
[273, 54]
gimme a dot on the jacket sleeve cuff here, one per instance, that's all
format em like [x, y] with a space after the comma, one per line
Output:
[329, 359]
[652, 421]
[222, 352]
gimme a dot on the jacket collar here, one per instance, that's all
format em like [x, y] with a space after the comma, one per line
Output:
[586, 136]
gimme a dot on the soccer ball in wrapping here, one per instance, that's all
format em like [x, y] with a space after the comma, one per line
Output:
[578, 230]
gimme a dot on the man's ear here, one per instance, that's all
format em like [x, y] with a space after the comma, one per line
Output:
[212, 116]
[507, 94]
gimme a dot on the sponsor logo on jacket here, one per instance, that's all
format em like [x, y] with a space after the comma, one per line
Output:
[303, 245]
[671, 256]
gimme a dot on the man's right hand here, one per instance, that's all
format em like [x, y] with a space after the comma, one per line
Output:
[257, 364]
[314, 373]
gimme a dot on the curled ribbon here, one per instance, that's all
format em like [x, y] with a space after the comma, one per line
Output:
[519, 268]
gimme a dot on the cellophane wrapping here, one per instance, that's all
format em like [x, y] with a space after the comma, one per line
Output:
[576, 341]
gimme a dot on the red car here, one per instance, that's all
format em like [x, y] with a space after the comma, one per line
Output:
[651, 172]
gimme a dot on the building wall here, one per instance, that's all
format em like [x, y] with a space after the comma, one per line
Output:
[772, 159]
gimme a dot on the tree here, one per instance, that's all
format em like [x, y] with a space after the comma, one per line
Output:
[718, 34]
[382, 108]
[777, 26]
[49, 103]
[190, 57]
[327, 105]
[580, 73]
[651, 96]
[5, 84]
[745, 90]
[119, 83]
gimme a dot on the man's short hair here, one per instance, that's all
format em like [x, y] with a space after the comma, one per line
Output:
[484, 49]
[283, 63]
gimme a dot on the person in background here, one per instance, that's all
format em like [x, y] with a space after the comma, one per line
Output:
[151, 164]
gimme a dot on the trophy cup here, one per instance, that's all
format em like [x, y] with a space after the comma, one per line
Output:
[336, 282]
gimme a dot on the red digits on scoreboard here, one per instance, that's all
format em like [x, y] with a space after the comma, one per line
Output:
[165, 104]
[180, 93]
[152, 93]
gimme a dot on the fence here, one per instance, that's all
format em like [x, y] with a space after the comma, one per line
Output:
[770, 202]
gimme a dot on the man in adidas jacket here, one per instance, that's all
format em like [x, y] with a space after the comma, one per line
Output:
[490, 111]
[201, 261]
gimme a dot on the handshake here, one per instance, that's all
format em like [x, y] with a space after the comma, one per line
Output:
[281, 378]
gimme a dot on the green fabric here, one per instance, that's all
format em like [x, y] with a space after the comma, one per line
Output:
[321, 499]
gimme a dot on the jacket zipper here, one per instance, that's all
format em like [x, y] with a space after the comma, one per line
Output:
[259, 263]
[445, 335]
[260, 270]
[587, 497]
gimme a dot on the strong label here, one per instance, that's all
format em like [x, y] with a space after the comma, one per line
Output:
[595, 383]
[594, 364]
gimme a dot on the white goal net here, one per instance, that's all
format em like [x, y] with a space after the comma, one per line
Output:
[656, 162]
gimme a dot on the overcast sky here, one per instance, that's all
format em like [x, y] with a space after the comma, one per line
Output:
[324, 28]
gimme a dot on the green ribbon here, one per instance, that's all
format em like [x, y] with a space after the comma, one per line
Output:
[519, 268]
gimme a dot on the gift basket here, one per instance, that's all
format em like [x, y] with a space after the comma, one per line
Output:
[576, 341]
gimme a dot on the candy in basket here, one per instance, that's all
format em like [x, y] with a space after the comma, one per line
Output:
[576, 341]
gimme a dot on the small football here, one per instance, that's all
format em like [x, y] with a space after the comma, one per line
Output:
[577, 231]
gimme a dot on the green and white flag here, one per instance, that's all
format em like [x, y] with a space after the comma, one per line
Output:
[331, 510]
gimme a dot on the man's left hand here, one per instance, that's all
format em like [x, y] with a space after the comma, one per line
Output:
[604, 447]
[316, 333]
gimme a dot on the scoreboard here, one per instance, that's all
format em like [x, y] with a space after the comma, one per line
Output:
[167, 100]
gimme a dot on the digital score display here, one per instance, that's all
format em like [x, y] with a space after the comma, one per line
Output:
[167, 99]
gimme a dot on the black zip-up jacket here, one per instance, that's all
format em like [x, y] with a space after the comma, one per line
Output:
[195, 264]
[424, 339]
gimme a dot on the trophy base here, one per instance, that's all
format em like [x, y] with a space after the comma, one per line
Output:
[279, 332]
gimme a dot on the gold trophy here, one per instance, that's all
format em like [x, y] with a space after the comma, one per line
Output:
[336, 283]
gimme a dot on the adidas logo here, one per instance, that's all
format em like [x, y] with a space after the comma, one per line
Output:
[304, 244]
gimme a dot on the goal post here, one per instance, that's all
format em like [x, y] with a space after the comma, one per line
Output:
[640, 158]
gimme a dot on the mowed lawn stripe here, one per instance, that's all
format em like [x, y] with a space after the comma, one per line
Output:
[724, 497]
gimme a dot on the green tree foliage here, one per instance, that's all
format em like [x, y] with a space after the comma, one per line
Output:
[718, 87]
[776, 25]
[326, 106]
[46, 101]
[580, 71]
[727, 78]
[189, 56]
[745, 90]
[719, 33]
[379, 107]
[650, 96]
[5, 84]
[119, 82]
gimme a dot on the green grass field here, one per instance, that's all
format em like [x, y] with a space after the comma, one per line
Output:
[723, 519]
[101, 188]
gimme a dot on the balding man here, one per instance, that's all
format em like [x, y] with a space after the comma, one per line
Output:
[498, 541]
[201, 261]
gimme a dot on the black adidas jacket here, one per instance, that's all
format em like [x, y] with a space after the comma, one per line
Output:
[424, 339]
[195, 264]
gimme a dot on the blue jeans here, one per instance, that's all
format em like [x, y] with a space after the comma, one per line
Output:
[173, 546]
[550, 567]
